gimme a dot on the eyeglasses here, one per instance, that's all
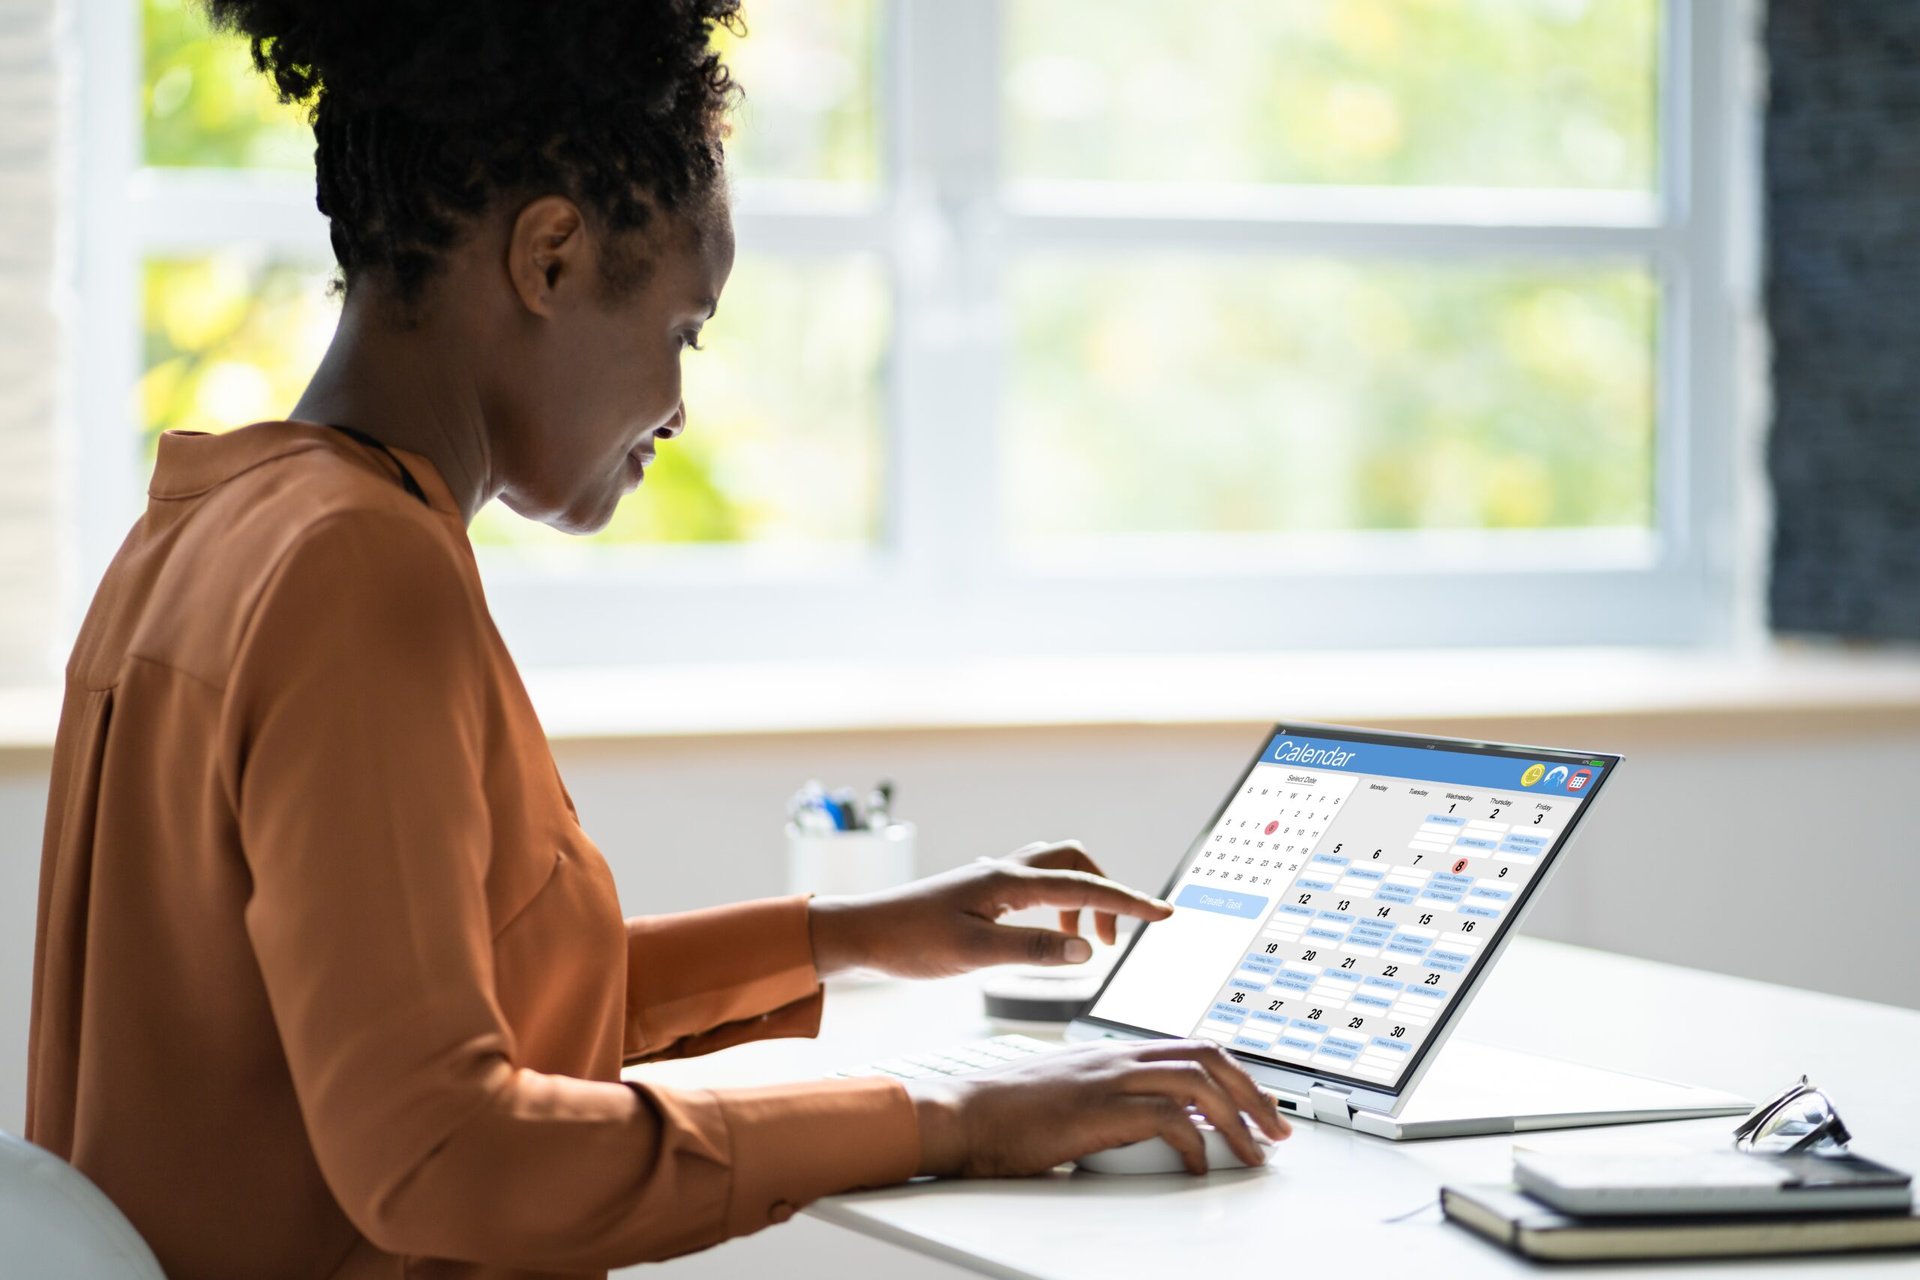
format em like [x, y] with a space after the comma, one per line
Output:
[1799, 1118]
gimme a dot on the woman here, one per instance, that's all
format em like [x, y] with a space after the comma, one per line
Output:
[328, 980]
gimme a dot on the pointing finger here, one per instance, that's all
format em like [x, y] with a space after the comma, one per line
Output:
[1074, 890]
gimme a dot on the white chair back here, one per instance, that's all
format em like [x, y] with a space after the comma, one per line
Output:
[56, 1225]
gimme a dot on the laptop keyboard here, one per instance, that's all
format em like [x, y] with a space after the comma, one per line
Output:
[977, 1055]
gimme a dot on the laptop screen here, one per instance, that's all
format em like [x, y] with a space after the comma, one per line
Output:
[1349, 889]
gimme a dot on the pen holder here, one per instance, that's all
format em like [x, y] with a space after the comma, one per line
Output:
[858, 861]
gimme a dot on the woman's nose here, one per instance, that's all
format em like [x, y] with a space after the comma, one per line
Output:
[675, 425]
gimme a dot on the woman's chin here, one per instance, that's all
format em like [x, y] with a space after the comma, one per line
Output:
[582, 518]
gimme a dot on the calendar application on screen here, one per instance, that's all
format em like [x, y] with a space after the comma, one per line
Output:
[1341, 899]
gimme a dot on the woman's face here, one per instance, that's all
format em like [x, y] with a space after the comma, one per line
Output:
[603, 369]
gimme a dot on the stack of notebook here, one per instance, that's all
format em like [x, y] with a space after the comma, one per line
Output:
[1576, 1207]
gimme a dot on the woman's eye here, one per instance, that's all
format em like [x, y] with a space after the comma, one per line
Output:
[691, 341]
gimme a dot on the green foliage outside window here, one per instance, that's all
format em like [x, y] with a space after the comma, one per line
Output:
[202, 103]
[1497, 93]
[1182, 394]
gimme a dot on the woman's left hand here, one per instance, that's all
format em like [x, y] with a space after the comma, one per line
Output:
[949, 923]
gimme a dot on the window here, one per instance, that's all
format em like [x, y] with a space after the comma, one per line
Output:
[1065, 325]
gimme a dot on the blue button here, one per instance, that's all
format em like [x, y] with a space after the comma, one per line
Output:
[1398, 1046]
[1221, 902]
[1255, 1046]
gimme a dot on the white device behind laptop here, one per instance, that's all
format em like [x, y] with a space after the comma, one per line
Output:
[1340, 911]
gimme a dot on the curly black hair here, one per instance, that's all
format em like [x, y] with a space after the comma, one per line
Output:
[425, 113]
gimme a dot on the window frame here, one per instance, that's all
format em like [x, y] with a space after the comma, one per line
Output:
[943, 579]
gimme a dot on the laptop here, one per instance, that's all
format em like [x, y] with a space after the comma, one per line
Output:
[1337, 915]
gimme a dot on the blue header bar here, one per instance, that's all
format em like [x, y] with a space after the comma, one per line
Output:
[1434, 764]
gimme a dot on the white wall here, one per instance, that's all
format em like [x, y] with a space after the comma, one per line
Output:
[1779, 847]
[1774, 847]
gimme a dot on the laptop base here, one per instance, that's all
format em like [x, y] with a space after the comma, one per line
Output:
[1477, 1088]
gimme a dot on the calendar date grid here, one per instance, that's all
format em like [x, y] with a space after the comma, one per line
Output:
[1374, 924]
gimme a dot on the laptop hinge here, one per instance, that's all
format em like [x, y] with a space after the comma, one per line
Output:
[1330, 1104]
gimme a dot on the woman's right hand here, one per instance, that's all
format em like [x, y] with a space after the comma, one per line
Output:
[1027, 1117]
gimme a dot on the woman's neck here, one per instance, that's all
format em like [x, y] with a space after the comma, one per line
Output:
[407, 388]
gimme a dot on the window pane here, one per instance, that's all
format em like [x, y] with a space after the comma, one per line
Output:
[202, 102]
[1546, 93]
[783, 440]
[1220, 395]
[229, 339]
[807, 68]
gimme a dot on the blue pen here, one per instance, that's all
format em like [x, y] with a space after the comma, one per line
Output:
[847, 810]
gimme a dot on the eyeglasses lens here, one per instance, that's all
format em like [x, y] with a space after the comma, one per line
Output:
[1806, 1120]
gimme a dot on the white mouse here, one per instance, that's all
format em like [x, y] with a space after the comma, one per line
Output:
[1156, 1155]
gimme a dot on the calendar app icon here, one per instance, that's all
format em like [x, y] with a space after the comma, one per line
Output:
[1579, 780]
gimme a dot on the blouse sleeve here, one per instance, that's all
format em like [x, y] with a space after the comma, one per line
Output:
[702, 980]
[353, 746]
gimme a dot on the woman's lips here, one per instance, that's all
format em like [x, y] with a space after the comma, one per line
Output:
[637, 460]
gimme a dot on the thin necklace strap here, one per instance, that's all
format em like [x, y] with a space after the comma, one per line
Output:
[406, 476]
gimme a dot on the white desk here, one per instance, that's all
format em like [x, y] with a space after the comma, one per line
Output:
[1321, 1203]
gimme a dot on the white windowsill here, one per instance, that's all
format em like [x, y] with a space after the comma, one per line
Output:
[1452, 687]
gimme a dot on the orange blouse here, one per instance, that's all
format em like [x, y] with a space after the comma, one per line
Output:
[328, 980]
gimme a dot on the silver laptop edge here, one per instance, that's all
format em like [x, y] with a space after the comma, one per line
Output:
[1343, 1102]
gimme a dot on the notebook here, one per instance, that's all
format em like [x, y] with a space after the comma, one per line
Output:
[1509, 1217]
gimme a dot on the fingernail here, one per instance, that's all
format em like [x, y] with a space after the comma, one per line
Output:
[1076, 950]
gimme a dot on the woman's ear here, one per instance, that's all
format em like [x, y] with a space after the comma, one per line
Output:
[547, 253]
